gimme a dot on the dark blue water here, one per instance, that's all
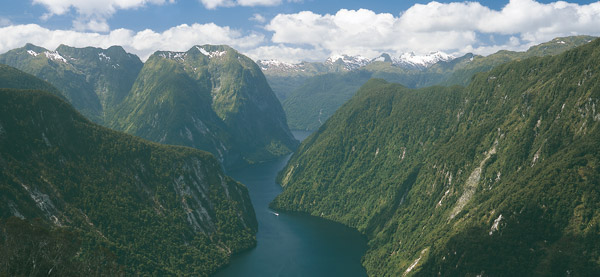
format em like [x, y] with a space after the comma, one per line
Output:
[292, 244]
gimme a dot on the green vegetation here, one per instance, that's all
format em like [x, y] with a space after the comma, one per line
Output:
[94, 80]
[210, 98]
[464, 73]
[309, 109]
[284, 85]
[11, 77]
[309, 104]
[285, 81]
[96, 201]
[498, 178]
[111, 72]
[33, 248]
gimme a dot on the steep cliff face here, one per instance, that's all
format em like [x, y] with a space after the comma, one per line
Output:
[211, 98]
[94, 80]
[158, 209]
[111, 72]
[497, 178]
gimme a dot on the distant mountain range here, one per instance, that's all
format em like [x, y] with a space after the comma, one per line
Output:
[311, 92]
[339, 63]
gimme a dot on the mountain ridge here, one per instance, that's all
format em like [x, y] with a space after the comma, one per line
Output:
[93, 79]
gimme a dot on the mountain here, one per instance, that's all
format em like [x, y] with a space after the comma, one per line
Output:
[341, 63]
[308, 107]
[11, 77]
[313, 99]
[464, 73]
[285, 77]
[94, 80]
[498, 178]
[110, 71]
[410, 60]
[210, 97]
[346, 62]
[81, 199]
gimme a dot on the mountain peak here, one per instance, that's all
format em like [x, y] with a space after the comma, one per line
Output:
[272, 64]
[385, 57]
[349, 62]
[171, 55]
[211, 51]
[413, 60]
[35, 48]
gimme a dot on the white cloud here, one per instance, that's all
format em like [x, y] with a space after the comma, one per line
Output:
[95, 7]
[143, 43]
[92, 14]
[213, 4]
[287, 54]
[252, 3]
[452, 27]
[94, 25]
[455, 28]
[258, 18]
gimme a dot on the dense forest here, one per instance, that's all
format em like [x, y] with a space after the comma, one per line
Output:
[496, 178]
[78, 198]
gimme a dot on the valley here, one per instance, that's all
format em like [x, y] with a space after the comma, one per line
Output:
[299, 138]
[290, 243]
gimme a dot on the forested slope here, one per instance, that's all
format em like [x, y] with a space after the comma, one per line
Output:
[95, 201]
[498, 178]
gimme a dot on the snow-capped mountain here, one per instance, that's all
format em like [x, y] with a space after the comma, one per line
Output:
[410, 59]
[347, 63]
[279, 65]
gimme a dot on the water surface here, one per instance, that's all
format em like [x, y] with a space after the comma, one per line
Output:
[293, 244]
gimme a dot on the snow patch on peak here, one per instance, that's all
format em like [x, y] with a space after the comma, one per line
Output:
[33, 53]
[103, 56]
[53, 55]
[275, 64]
[203, 51]
[411, 59]
[211, 54]
[173, 55]
[350, 62]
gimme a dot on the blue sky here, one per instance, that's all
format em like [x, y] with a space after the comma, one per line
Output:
[294, 30]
